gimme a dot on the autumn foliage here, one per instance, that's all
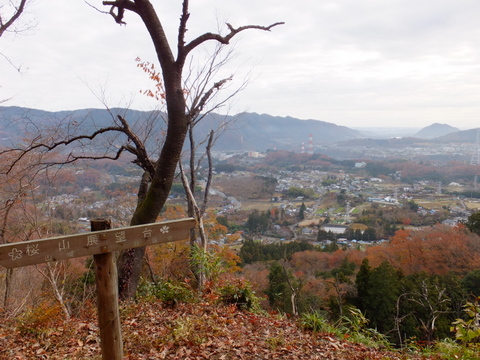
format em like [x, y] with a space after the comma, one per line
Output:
[435, 251]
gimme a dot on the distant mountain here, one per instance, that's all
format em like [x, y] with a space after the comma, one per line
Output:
[435, 130]
[387, 132]
[246, 131]
[465, 136]
[392, 143]
[251, 131]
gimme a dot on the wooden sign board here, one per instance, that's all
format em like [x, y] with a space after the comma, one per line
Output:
[72, 246]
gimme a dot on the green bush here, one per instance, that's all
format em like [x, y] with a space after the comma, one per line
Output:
[450, 350]
[356, 325]
[239, 292]
[468, 331]
[166, 291]
[317, 322]
[208, 263]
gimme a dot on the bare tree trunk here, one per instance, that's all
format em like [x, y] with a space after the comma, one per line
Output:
[210, 172]
[293, 297]
[56, 275]
[193, 209]
[8, 288]
[199, 272]
[3, 229]
[129, 266]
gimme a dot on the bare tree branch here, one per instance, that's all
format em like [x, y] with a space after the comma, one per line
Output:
[183, 28]
[18, 68]
[37, 145]
[225, 39]
[140, 152]
[120, 6]
[208, 151]
[197, 210]
[202, 101]
[18, 10]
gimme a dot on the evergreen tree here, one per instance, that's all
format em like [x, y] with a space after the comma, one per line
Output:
[301, 212]
[251, 251]
[381, 297]
[473, 223]
[350, 234]
[278, 291]
[362, 283]
[471, 283]
[377, 293]
[332, 247]
[258, 222]
[369, 234]
[358, 234]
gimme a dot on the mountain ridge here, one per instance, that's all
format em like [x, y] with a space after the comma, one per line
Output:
[241, 132]
[244, 131]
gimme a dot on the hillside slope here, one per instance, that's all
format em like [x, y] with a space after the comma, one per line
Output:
[202, 331]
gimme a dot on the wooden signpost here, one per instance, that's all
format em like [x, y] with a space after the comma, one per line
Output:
[101, 243]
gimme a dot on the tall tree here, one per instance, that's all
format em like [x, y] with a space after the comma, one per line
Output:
[156, 185]
[159, 170]
[378, 290]
[301, 212]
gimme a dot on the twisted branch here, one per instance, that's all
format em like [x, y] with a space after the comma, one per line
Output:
[226, 39]
[120, 6]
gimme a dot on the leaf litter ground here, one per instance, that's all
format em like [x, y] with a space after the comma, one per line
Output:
[186, 331]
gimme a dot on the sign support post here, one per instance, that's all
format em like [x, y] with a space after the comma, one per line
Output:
[106, 279]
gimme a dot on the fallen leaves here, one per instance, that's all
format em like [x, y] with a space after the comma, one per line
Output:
[187, 332]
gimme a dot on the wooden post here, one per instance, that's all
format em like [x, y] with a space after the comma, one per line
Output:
[106, 279]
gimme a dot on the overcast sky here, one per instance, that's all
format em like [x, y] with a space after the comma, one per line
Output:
[358, 63]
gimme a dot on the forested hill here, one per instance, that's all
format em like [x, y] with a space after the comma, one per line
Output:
[246, 131]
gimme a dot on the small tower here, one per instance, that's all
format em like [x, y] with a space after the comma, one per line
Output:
[476, 152]
[310, 144]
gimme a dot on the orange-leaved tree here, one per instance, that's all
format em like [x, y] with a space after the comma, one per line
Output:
[436, 251]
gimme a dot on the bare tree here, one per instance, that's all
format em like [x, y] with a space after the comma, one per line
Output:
[179, 118]
[433, 300]
[14, 205]
[196, 87]
[159, 170]
[56, 274]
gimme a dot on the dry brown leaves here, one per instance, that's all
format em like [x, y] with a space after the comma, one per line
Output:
[200, 331]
